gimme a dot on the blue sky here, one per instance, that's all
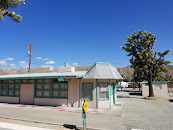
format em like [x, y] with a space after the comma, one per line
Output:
[82, 31]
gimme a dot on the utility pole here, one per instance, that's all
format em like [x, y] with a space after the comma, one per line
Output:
[29, 52]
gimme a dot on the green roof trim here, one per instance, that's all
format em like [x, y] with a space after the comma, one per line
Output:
[43, 77]
[157, 82]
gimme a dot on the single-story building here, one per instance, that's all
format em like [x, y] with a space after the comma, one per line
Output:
[160, 88]
[64, 88]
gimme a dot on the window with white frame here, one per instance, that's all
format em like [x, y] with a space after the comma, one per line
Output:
[103, 91]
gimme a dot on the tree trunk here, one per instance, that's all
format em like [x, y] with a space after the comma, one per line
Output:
[151, 93]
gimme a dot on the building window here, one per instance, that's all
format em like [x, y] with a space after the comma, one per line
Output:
[9, 88]
[87, 91]
[103, 91]
[47, 88]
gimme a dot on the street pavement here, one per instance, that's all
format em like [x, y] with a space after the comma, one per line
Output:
[108, 121]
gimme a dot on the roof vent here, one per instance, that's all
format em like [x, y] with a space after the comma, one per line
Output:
[66, 68]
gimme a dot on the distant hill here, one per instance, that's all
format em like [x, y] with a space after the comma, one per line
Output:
[126, 72]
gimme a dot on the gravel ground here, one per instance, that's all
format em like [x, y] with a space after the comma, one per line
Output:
[139, 113]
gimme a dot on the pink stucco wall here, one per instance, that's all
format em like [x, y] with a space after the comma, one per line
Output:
[73, 92]
[50, 101]
[9, 99]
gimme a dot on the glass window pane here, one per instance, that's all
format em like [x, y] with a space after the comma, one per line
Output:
[38, 87]
[46, 80]
[16, 87]
[103, 94]
[38, 93]
[10, 93]
[39, 81]
[103, 86]
[55, 80]
[55, 94]
[63, 94]
[31, 81]
[46, 94]
[87, 87]
[16, 93]
[10, 86]
[87, 90]
[46, 87]
[63, 86]
[4, 81]
[3, 86]
[3, 93]
[87, 95]
[24, 81]
[55, 86]
[10, 81]
[17, 81]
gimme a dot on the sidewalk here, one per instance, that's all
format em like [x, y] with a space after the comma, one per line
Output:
[60, 108]
[9, 126]
[107, 121]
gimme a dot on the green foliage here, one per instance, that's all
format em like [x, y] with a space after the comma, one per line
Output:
[144, 60]
[125, 80]
[5, 5]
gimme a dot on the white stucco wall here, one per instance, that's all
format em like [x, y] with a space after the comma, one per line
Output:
[163, 92]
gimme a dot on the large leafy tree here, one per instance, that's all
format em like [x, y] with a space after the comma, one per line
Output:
[6, 4]
[146, 63]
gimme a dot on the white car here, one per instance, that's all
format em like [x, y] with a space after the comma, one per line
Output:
[123, 84]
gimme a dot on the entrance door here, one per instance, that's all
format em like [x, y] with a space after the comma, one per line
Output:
[27, 93]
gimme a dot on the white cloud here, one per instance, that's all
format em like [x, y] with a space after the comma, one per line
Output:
[50, 62]
[3, 62]
[23, 64]
[44, 66]
[9, 59]
[13, 66]
[75, 64]
[38, 58]
[46, 59]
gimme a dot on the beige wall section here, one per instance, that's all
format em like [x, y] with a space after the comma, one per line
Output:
[116, 100]
[112, 100]
[157, 92]
[50, 101]
[27, 93]
[91, 104]
[73, 92]
[104, 104]
[9, 99]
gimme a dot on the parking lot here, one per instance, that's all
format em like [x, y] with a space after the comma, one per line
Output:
[139, 113]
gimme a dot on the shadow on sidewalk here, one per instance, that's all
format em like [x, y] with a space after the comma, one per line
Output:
[171, 100]
[136, 93]
[70, 126]
[123, 97]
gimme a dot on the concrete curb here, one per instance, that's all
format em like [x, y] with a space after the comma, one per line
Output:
[36, 121]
